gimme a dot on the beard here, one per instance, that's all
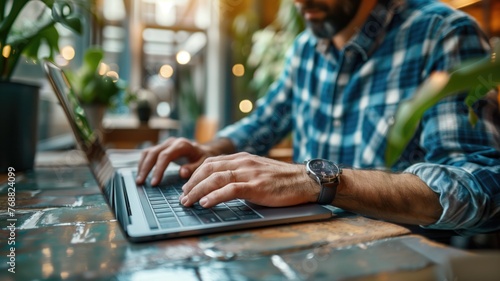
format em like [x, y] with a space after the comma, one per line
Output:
[337, 18]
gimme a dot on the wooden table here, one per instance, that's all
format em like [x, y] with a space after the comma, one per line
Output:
[65, 230]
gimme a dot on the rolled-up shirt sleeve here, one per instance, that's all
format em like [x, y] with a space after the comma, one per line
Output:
[462, 161]
[462, 165]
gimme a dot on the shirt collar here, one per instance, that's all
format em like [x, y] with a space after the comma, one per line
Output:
[369, 37]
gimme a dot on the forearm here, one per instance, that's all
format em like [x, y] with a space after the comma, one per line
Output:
[393, 197]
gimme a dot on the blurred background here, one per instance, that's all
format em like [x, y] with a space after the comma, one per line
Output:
[200, 63]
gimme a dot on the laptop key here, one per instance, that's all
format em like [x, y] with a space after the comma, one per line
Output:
[244, 208]
[158, 202]
[156, 197]
[227, 215]
[209, 218]
[165, 215]
[159, 206]
[168, 223]
[197, 206]
[184, 213]
[162, 210]
[167, 220]
[181, 208]
[202, 211]
[235, 203]
[189, 221]
[172, 197]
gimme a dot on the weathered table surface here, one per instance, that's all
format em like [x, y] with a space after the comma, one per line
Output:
[65, 230]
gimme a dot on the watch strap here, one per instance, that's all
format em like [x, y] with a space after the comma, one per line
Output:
[327, 193]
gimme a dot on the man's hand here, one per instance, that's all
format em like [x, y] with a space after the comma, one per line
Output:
[257, 179]
[172, 149]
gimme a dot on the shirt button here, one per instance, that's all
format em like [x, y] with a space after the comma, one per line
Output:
[337, 123]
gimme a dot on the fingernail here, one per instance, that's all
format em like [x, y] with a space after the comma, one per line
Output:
[153, 181]
[203, 201]
[184, 200]
[184, 172]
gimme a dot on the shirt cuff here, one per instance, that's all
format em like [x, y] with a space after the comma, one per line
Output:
[459, 194]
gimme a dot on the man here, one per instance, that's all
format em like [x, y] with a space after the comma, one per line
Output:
[342, 82]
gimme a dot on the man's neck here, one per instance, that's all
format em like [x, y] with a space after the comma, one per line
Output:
[359, 20]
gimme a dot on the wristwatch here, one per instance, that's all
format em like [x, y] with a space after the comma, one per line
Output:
[327, 174]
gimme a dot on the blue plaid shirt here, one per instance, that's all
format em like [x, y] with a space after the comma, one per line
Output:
[339, 104]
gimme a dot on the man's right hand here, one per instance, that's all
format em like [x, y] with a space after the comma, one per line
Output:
[172, 149]
[161, 155]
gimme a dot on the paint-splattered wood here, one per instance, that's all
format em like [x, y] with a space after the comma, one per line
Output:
[342, 230]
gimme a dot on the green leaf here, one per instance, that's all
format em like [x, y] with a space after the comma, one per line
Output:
[91, 61]
[63, 13]
[90, 86]
[476, 78]
[27, 39]
[13, 14]
[409, 114]
[50, 36]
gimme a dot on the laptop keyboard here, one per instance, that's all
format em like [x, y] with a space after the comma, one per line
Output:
[167, 212]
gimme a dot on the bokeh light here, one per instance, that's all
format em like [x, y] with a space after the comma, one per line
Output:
[246, 106]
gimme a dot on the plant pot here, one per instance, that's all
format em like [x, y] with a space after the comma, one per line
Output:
[95, 114]
[18, 125]
[143, 112]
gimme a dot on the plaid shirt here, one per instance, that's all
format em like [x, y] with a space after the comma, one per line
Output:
[339, 104]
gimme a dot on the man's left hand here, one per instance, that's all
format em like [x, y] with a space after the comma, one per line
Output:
[259, 180]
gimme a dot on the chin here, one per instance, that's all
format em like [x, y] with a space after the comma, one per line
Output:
[321, 30]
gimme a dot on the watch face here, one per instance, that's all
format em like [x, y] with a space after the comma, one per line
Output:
[323, 168]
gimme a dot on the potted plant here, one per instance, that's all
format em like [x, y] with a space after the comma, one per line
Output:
[20, 36]
[143, 111]
[270, 44]
[95, 86]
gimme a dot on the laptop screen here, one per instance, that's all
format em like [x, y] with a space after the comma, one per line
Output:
[85, 137]
[70, 103]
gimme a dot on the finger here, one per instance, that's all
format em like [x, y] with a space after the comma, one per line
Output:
[230, 157]
[148, 159]
[209, 184]
[216, 164]
[227, 193]
[180, 147]
[141, 160]
[147, 163]
[209, 167]
[187, 170]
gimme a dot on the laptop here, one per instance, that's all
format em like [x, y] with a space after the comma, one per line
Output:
[147, 213]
